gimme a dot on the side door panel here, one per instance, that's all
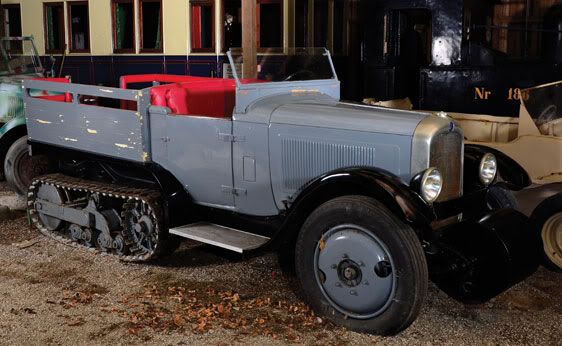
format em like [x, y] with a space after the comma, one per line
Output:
[199, 155]
[252, 178]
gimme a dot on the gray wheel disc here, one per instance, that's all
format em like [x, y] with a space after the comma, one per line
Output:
[52, 194]
[355, 272]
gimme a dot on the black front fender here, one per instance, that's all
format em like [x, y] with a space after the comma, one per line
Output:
[514, 177]
[379, 184]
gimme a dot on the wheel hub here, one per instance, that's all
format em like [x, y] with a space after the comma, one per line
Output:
[354, 271]
[349, 273]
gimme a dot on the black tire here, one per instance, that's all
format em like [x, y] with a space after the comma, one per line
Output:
[500, 198]
[543, 213]
[20, 168]
[402, 244]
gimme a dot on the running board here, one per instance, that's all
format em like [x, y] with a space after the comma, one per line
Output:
[224, 237]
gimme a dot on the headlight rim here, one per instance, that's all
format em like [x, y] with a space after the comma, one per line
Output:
[483, 161]
[426, 174]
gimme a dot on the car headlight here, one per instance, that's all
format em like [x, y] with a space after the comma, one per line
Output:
[488, 169]
[431, 185]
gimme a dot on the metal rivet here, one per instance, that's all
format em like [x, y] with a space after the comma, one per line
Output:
[334, 266]
[353, 292]
[338, 284]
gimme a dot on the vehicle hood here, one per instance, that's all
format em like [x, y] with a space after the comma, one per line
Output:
[348, 116]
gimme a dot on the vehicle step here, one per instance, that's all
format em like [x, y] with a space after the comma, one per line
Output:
[224, 237]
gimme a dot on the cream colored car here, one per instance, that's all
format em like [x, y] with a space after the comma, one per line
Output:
[534, 140]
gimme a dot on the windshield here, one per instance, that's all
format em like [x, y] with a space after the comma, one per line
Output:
[544, 103]
[19, 56]
[297, 64]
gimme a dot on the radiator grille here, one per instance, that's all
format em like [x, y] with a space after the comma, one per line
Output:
[303, 160]
[446, 154]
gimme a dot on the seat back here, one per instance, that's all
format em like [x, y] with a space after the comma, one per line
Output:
[213, 97]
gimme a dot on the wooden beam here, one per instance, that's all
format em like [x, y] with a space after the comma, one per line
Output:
[249, 42]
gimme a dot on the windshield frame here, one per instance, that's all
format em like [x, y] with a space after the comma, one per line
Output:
[325, 52]
[34, 55]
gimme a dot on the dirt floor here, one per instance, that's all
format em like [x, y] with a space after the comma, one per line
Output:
[52, 294]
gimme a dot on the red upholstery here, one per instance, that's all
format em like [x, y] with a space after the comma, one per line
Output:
[124, 82]
[67, 97]
[57, 98]
[212, 97]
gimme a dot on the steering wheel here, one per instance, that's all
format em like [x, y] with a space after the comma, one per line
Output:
[300, 75]
[548, 114]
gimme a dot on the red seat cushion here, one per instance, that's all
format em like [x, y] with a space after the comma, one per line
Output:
[176, 99]
[212, 97]
[67, 97]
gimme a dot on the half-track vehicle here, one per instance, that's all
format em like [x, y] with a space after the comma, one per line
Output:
[19, 60]
[368, 202]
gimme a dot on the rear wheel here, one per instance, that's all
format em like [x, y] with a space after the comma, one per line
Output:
[20, 168]
[547, 221]
[361, 267]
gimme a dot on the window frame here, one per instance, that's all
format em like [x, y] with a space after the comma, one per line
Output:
[48, 50]
[258, 26]
[151, 50]
[213, 24]
[69, 5]
[114, 27]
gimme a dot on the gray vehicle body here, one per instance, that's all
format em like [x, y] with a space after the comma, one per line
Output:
[289, 147]
[257, 162]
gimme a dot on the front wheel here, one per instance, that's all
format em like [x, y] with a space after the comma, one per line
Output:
[499, 197]
[360, 267]
[20, 168]
[547, 222]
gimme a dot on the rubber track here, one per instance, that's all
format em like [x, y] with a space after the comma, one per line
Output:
[150, 197]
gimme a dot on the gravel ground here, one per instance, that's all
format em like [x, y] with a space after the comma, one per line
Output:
[52, 294]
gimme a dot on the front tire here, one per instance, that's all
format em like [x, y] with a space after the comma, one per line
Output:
[547, 223]
[499, 197]
[20, 168]
[360, 267]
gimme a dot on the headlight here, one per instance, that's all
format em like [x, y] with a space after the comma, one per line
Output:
[431, 185]
[488, 169]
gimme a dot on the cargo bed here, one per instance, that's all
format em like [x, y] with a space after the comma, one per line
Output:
[120, 132]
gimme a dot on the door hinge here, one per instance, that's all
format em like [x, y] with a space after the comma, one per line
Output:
[234, 190]
[227, 137]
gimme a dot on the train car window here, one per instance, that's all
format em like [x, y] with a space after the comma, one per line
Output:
[150, 19]
[321, 15]
[53, 14]
[513, 30]
[341, 17]
[408, 37]
[202, 26]
[270, 23]
[78, 26]
[12, 21]
[301, 23]
[232, 25]
[123, 13]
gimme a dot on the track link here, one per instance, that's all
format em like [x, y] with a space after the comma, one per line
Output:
[149, 198]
